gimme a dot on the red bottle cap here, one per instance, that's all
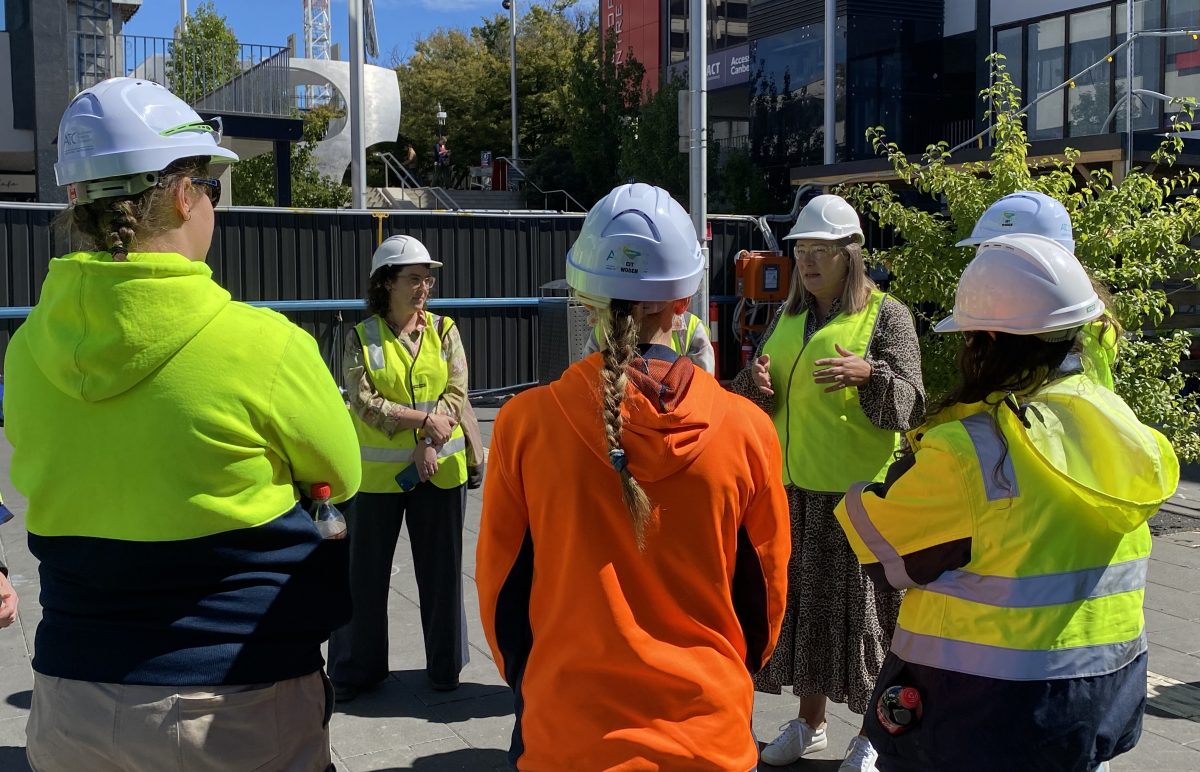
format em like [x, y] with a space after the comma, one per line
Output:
[319, 491]
[910, 697]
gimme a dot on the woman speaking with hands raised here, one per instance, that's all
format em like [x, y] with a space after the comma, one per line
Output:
[839, 371]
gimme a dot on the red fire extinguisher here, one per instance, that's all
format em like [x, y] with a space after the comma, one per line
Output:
[747, 350]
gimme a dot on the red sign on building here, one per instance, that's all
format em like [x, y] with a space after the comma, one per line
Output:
[636, 26]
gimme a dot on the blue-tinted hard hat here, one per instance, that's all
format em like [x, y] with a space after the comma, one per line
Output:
[1025, 211]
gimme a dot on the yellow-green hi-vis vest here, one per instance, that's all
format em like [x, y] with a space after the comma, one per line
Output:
[681, 340]
[1059, 543]
[828, 442]
[416, 383]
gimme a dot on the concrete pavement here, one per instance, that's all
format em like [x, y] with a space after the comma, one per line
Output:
[406, 725]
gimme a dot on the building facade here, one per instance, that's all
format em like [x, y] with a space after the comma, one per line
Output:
[915, 67]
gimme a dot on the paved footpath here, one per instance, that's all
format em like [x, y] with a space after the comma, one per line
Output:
[405, 725]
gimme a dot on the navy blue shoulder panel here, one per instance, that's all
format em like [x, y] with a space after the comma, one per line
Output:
[246, 606]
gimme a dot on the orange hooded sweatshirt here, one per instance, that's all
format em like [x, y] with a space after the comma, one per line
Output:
[622, 659]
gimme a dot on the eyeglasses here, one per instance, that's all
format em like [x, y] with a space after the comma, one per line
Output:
[417, 281]
[210, 186]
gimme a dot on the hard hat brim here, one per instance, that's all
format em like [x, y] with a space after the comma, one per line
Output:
[402, 262]
[822, 236]
[970, 241]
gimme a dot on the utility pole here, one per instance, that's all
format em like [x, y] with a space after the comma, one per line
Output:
[698, 144]
[182, 18]
[830, 81]
[511, 5]
[358, 132]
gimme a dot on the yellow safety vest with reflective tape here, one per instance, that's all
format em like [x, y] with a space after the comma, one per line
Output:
[828, 442]
[416, 383]
[681, 340]
[1059, 542]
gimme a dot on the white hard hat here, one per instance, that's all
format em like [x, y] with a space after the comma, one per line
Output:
[116, 136]
[1025, 285]
[401, 250]
[1025, 211]
[827, 218]
[637, 244]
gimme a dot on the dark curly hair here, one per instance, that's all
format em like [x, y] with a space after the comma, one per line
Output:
[378, 295]
[1010, 363]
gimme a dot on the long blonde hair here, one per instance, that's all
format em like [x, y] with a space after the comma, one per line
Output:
[855, 294]
[620, 327]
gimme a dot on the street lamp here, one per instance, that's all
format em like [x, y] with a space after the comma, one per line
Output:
[511, 7]
[441, 119]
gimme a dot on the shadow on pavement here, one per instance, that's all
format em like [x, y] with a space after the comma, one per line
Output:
[13, 759]
[22, 700]
[464, 759]
[408, 693]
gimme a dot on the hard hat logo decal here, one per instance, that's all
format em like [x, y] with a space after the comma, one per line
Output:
[631, 260]
[1008, 217]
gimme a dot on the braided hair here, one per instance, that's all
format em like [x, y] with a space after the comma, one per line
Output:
[117, 224]
[621, 328]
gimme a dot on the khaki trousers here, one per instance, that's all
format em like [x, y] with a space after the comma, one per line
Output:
[99, 727]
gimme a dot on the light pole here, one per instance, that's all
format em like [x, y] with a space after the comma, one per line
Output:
[358, 133]
[511, 7]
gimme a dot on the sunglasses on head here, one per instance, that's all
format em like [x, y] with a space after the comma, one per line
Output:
[210, 186]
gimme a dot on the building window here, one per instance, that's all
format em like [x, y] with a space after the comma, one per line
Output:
[1183, 53]
[1090, 101]
[1046, 68]
[1041, 54]
[728, 26]
[787, 89]
[1010, 42]
[1147, 65]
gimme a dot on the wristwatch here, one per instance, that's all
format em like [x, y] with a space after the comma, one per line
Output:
[428, 440]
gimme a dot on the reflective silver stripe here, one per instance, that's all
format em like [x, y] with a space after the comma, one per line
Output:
[893, 564]
[425, 407]
[387, 455]
[452, 446]
[404, 455]
[1043, 589]
[374, 343]
[1015, 664]
[999, 480]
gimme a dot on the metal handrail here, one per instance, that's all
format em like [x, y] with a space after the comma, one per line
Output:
[397, 168]
[545, 193]
[358, 304]
[232, 77]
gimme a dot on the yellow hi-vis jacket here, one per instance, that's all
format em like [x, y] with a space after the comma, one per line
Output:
[1048, 521]
[416, 382]
[828, 441]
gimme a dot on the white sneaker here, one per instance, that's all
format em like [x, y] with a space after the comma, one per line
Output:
[860, 756]
[796, 739]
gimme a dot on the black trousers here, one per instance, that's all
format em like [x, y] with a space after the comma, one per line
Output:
[358, 652]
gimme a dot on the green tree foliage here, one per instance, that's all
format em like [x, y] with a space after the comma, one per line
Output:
[467, 73]
[650, 151]
[606, 97]
[1132, 235]
[254, 178]
[206, 58]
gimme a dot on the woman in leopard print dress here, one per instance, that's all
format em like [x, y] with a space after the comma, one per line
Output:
[837, 626]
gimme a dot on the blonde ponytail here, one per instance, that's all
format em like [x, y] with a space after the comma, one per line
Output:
[620, 332]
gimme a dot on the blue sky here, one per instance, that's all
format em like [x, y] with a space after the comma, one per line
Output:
[269, 22]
